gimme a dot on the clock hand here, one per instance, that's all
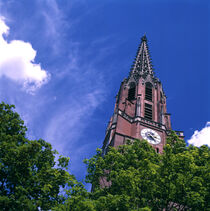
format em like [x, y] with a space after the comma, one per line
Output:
[152, 136]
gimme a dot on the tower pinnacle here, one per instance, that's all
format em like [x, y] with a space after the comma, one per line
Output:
[142, 63]
[144, 38]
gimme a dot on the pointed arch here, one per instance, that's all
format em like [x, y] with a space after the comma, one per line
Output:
[132, 91]
[148, 91]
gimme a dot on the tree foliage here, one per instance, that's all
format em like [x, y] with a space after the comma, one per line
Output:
[140, 178]
[30, 179]
[132, 177]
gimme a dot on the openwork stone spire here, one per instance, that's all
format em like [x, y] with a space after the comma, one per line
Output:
[142, 63]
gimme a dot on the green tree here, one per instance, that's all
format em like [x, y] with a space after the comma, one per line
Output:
[142, 179]
[77, 199]
[30, 179]
[132, 170]
[184, 176]
[136, 177]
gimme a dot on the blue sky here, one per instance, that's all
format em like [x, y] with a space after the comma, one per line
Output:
[62, 62]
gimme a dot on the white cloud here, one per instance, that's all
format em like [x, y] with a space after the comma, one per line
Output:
[201, 137]
[17, 62]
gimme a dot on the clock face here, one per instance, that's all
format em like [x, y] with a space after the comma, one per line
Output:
[151, 136]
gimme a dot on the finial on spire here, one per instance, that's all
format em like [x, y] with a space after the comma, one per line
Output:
[144, 38]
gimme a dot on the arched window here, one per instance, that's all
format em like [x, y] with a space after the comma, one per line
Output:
[132, 91]
[161, 96]
[157, 150]
[148, 111]
[148, 91]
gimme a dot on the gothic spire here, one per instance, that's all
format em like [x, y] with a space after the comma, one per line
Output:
[142, 63]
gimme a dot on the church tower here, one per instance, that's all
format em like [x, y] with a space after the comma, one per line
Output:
[140, 109]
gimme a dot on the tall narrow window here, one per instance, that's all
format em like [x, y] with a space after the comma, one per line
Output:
[148, 92]
[132, 91]
[148, 111]
[161, 97]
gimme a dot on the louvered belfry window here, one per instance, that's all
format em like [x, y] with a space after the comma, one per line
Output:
[148, 92]
[132, 92]
[148, 111]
